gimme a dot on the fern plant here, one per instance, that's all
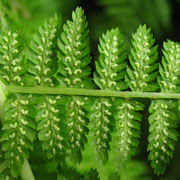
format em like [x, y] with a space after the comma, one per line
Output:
[54, 98]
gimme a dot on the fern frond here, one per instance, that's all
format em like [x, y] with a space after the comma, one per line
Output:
[58, 98]
[143, 57]
[73, 71]
[164, 118]
[74, 53]
[50, 118]
[109, 74]
[169, 80]
[110, 68]
[163, 121]
[42, 54]
[140, 77]
[18, 131]
[101, 125]
[52, 130]
[12, 62]
[127, 134]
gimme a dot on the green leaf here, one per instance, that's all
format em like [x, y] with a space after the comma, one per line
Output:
[162, 134]
[111, 64]
[170, 67]
[17, 136]
[125, 139]
[143, 57]
[12, 60]
[73, 71]
[41, 54]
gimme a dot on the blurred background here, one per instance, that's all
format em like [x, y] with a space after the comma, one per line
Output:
[163, 18]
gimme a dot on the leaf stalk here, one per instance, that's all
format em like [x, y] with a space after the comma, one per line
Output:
[91, 92]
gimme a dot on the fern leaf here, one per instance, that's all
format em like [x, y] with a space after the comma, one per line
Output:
[140, 77]
[41, 55]
[169, 71]
[143, 57]
[74, 53]
[164, 118]
[110, 68]
[12, 64]
[52, 130]
[101, 126]
[51, 127]
[73, 71]
[18, 131]
[109, 74]
[127, 134]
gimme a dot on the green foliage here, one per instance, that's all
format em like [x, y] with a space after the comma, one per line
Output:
[50, 116]
[101, 126]
[109, 74]
[38, 158]
[163, 121]
[164, 118]
[139, 77]
[169, 71]
[73, 71]
[74, 53]
[51, 126]
[18, 126]
[12, 64]
[42, 54]
[110, 68]
[127, 134]
[65, 125]
[143, 59]
[18, 130]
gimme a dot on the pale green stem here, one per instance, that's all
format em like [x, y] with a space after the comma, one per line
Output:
[91, 92]
[26, 172]
[2, 99]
